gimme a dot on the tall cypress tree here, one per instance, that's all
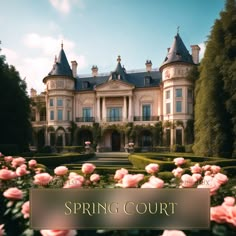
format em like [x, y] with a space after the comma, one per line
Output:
[215, 102]
[15, 127]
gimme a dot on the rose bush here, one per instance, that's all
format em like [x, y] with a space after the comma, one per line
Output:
[18, 175]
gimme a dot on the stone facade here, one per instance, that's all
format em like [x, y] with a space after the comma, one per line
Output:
[124, 107]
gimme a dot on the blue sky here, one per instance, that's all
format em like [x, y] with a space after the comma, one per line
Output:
[95, 32]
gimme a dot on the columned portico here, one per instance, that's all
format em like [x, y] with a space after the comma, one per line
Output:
[125, 109]
[104, 113]
[98, 110]
[130, 109]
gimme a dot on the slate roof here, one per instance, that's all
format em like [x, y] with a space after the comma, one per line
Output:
[138, 79]
[178, 52]
[61, 66]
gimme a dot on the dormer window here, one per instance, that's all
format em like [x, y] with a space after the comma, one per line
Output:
[147, 80]
[85, 84]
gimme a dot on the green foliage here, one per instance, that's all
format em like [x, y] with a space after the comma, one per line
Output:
[215, 109]
[177, 148]
[15, 108]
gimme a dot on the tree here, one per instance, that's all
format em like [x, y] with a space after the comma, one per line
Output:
[15, 126]
[215, 124]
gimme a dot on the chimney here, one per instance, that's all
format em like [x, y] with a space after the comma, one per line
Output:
[74, 68]
[148, 65]
[195, 53]
[33, 92]
[94, 70]
[168, 49]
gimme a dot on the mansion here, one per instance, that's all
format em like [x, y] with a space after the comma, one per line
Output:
[148, 108]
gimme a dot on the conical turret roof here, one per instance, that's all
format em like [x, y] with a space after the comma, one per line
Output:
[61, 65]
[178, 52]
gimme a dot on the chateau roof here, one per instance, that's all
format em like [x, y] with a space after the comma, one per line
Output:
[61, 66]
[178, 52]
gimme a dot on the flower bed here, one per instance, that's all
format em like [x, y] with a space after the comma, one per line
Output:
[17, 175]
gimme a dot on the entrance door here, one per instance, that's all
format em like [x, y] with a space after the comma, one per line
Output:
[115, 141]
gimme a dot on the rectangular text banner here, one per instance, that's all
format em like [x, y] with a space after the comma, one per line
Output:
[119, 208]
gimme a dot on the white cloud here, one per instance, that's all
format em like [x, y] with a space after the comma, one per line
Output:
[202, 51]
[35, 68]
[64, 6]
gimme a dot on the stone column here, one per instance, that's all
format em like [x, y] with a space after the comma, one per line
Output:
[130, 109]
[125, 109]
[104, 114]
[98, 110]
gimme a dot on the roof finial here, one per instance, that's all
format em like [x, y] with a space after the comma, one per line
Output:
[61, 44]
[119, 59]
[178, 30]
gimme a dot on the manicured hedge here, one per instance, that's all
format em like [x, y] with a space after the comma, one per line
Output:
[53, 161]
[140, 161]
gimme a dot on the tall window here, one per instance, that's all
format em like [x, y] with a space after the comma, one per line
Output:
[87, 113]
[59, 102]
[68, 115]
[179, 136]
[33, 115]
[51, 102]
[190, 108]
[168, 94]
[146, 112]
[190, 93]
[168, 108]
[51, 115]
[178, 106]
[59, 115]
[114, 114]
[178, 93]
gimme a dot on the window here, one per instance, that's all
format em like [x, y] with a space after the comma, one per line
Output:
[190, 108]
[87, 114]
[168, 94]
[178, 93]
[33, 115]
[146, 112]
[179, 136]
[59, 115]
[51, 102]
[51, 115]
[114, 114]
[190, 93]
[168, 108]
[68, 116]
[178, 106]
[59, 102]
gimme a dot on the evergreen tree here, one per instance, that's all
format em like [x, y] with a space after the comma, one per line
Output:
[15, 124]
[215, 102]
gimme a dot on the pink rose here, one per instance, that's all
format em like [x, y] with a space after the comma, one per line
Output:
[18, 161]
[61, 170]
[212, 185]
[2, 226]
[8, 158]
[179, 161]
[218, 214]
[207, 173]
[25, 209]
[120, 174]
[48, 232]
[94, 178]
[88, 168]
[197, 177]
[232, 215]
[173, 233]
[187, 181]
[152, 168]
[147, 185]
[21, 170]
[13, 194]
[178, 172]
[130, 181]
[221, 178]
[196, 169]
[229, 201]
[215, 169]
[32, 163]
[72, 183]
[206, 167]
[7, 174]
[156, 182]
[75, 176]
[42, 178]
